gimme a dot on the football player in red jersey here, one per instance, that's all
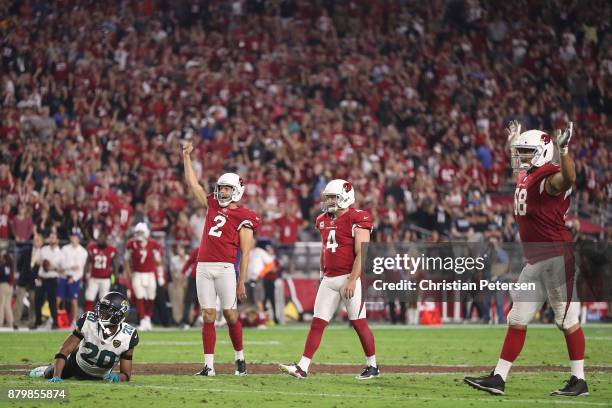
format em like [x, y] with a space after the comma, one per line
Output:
[143, 267]
[227, 228]
[343, 231]
[100, 268]
[541, 200]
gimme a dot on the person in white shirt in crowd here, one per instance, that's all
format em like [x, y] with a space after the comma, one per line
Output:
[260, 263]
[74, 260]
[51, 260]
[179, 283]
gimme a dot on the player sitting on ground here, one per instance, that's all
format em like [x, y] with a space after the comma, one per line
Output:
[541, 199]
[343, 230]
[100, 340]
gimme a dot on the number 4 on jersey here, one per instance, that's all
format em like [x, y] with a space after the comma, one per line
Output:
[331, 241]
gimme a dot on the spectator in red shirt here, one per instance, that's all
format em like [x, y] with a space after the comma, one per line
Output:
[289, 226]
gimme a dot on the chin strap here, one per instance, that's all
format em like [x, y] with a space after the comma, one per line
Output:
[104, 328]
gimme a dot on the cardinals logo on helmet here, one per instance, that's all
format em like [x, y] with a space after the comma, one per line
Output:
[347, 187]
[545, 138]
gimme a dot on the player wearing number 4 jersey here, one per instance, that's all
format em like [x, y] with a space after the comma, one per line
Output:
[227, 228]
[100, 341]
[540, 203]
[344, 230]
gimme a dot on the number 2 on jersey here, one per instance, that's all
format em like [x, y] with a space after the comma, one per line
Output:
[520, 201]
[331, 241]
[215, 229]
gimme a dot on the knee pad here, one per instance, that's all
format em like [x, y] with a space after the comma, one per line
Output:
[566, 319]
[515, 317]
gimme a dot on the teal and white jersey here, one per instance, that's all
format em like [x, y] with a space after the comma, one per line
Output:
[98, 355]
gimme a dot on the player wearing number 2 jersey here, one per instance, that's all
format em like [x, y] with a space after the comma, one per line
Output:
[343, 230]
[541, 200]
[227, 228]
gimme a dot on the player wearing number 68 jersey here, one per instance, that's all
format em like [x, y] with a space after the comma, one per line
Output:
[344, 230]
[541, 199]
[100, 341]
[227, 228]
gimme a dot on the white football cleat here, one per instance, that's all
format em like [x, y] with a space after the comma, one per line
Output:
[293, 370]
[38, 372]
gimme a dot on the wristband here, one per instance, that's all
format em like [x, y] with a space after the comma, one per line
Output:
[60, 355]
[127, 376]
[563, 151]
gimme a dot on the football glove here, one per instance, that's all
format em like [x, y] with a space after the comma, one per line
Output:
[513, 130]
[56, 380]
[564, 137]
[112, 377]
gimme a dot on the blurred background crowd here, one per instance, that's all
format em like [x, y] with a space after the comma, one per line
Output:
[406, 99]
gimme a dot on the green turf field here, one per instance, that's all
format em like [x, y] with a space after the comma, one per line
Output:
[457, 345]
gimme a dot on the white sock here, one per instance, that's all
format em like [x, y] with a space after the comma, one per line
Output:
[502, 368]
[239, 355]
[577, 367]
[371, 361]
[304, 363]
[209, 361]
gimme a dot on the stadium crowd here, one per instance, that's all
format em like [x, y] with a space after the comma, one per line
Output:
[406, 99]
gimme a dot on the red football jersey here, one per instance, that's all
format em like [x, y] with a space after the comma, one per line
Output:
[338, 239]
[144, 258]
[540, 216]
[101, 259]
[221, 238]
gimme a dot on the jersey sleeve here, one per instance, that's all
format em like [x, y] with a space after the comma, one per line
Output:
[361, 219]
[319, 222]
[134, 339]
[250, 220]
[212, 202]
[79, 326]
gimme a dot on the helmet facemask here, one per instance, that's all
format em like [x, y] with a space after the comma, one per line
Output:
[524, 157]
[224, 199]
[329, 203]
[110, 315]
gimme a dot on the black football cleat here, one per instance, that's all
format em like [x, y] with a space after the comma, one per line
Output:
[294, 370]
[574, 387]
[240, 368]
[492, 383]
[368, 372]
[206, 372]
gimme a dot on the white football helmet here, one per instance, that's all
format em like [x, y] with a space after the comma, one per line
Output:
[532, 148]
[141, 232]
[342, 191]
[231, 180]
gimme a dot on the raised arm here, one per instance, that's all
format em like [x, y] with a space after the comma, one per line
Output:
[196, 188]
[563, 180]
